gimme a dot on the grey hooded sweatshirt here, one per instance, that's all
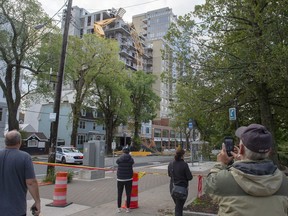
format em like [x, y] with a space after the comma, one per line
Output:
[248, 188]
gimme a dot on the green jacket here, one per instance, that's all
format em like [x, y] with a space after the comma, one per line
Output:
[248, 188]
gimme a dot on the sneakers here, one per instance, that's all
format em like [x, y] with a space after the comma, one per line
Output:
[127, 210]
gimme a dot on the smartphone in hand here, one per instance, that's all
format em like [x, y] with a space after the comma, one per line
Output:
[229, 145]
[33, 210]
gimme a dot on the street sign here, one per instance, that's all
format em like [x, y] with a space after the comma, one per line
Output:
[232, 114]
[52, 117]
[190, 124]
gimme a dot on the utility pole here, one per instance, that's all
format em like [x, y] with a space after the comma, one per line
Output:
[58, 91]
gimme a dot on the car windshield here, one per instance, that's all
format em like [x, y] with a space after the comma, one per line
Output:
[67, 150]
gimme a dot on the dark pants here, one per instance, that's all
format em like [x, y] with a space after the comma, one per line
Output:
[179, 204]
[128, 189]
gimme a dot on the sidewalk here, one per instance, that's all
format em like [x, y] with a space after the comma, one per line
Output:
[98, 197]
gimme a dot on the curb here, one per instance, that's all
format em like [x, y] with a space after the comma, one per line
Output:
[187, 213]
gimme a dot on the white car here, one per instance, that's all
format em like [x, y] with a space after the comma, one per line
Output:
[68, 155]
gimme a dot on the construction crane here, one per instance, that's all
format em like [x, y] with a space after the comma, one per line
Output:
[138, 46]
[99, 25]
[116, 14]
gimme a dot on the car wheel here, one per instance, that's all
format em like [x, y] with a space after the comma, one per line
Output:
[63, 160]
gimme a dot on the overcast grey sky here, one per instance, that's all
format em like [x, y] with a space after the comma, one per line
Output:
[132, 7]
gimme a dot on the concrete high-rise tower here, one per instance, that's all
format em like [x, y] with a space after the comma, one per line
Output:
[153, 26]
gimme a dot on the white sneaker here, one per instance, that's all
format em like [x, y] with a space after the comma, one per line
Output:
[127, 210]
[119, 210]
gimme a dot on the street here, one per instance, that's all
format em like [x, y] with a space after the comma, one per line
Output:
[98, 197]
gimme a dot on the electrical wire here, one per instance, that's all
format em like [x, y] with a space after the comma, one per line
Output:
[129, 5]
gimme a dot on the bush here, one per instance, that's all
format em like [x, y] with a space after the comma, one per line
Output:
[51, 177]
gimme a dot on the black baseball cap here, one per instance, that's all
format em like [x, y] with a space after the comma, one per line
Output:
[255, 137]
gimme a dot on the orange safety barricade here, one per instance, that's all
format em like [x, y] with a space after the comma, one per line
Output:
[199, 194]
[60, 191]
[134, 192]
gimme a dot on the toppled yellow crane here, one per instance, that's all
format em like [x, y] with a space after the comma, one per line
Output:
[138, 46]
[99, 25]
[118, 14]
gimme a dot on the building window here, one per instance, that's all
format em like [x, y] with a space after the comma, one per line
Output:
[94, 114]
[172, 134]
[32, 143]
[82, 124]
[94, 125]
[147, 130]
[83, 112]
[82, 21]
[97, 17]
[165, 133]
[89, 21]
[81, 139]
[157, 132]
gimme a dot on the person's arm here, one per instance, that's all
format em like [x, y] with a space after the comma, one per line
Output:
[33, 189]
[169, 169]
[218, 171]
[188, 173]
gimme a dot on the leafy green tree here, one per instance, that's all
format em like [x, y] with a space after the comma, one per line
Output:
[235, 54]
[111, 97]
[87, 59]
[144, 101]
[18, 49]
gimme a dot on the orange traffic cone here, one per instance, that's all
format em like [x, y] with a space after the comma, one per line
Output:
[60, 191]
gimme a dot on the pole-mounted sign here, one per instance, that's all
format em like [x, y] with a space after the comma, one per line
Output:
[190, 124]
[232, 114]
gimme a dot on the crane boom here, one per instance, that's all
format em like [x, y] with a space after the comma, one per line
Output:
[99, 25]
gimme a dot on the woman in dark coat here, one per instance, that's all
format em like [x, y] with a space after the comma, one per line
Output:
[124, 177]
[180, 174]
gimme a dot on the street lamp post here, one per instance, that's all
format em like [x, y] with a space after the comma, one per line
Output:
[125, 139]
[58, 90]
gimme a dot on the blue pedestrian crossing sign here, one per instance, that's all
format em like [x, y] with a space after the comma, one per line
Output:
[232, 114]
[190, 124]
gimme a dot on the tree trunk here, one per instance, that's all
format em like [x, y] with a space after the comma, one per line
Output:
[75, 122]
[109, 134]
[266, 116]
[13, 123]
[12, 80]
[136, 139]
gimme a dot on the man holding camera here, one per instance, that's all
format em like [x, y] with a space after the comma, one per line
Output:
[252, 185]
[16, 177]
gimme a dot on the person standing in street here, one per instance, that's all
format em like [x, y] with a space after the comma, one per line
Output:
[252, 185]
[124, 177]
[180, 174]
[16, 177]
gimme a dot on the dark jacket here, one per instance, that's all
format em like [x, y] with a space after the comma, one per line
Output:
[181, 171]
[248, 188]
[125, 167]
